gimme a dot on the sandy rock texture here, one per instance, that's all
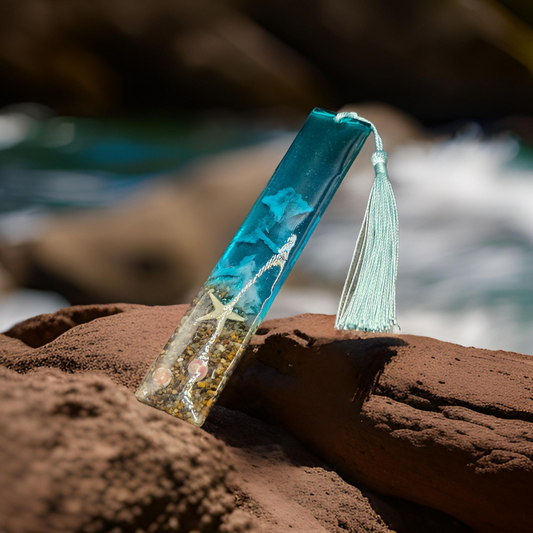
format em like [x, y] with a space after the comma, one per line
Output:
[79, 453]
[436, 423]
[399, 417]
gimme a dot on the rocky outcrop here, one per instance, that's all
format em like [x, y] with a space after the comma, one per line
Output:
[440, 425]
[436, 423]
[80, 454]
[155, 246]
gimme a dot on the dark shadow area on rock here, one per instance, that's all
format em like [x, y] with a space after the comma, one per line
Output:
[269, 442]
[408, 517]
[298, 356]
[370, 357]
[240, 430]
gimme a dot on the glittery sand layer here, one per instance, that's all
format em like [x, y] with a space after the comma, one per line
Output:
[191, 370]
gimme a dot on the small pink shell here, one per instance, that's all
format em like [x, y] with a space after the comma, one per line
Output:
[197, 369]
[161, 377]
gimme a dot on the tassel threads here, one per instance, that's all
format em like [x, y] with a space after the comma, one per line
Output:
[368, 301]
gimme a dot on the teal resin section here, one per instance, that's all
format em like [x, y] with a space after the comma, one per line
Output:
[271, 238]
[211, 338]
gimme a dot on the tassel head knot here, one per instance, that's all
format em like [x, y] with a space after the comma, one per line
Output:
[379, 160]
[379, 156]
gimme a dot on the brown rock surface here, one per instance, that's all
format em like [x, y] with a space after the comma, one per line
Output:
[435, 423]
[288, 489]
[79, 453]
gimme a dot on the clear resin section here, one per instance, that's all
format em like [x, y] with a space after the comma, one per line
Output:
[191, 371]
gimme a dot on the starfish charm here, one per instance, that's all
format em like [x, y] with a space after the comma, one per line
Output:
[220, 313]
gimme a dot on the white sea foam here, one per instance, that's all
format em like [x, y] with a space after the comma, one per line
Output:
[466, 250]
[14, 128]
[21, 304]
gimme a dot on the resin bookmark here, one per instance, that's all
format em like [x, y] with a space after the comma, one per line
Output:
[202, 353]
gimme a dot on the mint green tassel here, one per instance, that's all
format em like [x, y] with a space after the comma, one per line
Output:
[368, 301]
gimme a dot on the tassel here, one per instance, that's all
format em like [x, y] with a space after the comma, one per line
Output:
[368, 301]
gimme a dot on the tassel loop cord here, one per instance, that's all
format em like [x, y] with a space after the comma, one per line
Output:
[354, 115]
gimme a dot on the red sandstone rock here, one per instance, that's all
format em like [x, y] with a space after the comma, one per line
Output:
[81, 454]
[78, 455]
[435, 423]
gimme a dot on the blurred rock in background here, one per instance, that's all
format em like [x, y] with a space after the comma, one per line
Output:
[439, 61]
[161, 245]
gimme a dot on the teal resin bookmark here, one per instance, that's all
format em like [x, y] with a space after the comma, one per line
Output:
[200, 356]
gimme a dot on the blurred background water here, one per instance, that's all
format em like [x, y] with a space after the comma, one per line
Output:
[135, 137]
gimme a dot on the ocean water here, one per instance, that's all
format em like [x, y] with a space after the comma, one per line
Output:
[56, 162]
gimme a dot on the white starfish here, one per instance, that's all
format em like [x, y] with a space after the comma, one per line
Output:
[220, 313]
